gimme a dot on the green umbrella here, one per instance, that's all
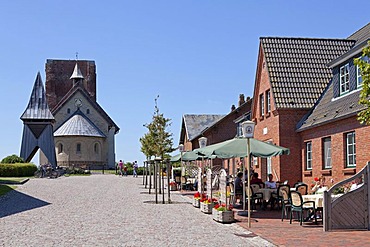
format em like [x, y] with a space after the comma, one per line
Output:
[186, 156]
[237, 147]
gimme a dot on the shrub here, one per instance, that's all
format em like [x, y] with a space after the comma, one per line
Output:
[12, 159]
[76, 170]
[17, 170]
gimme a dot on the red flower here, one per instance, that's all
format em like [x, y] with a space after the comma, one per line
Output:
[316, 179]
[216, 206]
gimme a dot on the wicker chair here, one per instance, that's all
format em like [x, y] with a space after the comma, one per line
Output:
[302, 188]
[278, 196]
[298, 205]
[285, 204]
[255, 196]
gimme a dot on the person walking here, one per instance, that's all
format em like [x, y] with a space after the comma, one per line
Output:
[135, 169]
[120, 167]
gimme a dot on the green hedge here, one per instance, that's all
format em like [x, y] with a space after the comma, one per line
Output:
[17, 170]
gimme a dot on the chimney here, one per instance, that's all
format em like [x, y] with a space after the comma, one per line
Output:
[233, 108]
[241, 99]
[248, 98]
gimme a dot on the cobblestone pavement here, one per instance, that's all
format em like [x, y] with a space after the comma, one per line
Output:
[107, 210]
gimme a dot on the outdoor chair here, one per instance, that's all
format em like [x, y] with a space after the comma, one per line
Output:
[302, 188]
[255, 197]
[278, 196]
[255, 187]
[178, 181]
[298, 205]
[285, 203]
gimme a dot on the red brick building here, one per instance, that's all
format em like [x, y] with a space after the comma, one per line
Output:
[294, 88]
[334, 144]
[291, 75]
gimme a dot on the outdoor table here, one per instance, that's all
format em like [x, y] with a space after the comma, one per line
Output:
[267, 193]
[318, 199]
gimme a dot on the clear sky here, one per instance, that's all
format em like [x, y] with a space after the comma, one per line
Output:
[197, 55]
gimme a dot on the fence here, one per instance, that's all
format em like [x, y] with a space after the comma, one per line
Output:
[350, 210]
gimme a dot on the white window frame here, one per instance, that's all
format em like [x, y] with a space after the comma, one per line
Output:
[268, 101]
[262, 105]
[344, 79]
[308, 155]
[351, 142]
[327, 153]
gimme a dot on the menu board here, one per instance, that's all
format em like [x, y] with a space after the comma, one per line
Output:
[200, 180]
[223, 177]
[209, 182]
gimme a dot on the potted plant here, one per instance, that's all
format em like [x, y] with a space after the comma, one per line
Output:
[222, 213]
[173, 186]
[206, 205]
[197, 198]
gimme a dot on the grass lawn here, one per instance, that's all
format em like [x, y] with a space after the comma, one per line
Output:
[5, 189]
[10, 179]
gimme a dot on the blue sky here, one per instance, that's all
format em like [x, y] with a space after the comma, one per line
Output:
[198, 56]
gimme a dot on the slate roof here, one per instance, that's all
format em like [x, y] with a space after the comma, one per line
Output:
[361, 35]
[37, 108]
[95, 104]
[195, 124]
[329, 109]
[78, 125]
[298, 69]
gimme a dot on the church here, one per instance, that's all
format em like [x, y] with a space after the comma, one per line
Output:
[84, 134]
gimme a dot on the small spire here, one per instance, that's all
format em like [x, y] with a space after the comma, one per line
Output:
[76, 73]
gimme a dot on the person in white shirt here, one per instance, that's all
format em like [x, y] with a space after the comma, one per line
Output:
[270, 184]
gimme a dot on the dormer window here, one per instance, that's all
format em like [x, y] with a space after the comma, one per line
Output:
[344, 79]
[358, 72]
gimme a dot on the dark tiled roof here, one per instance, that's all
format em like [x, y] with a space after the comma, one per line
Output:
[361, 35]
[37, 106]
[297, 68]
[328, 109]
[78, 125]
[195, 124]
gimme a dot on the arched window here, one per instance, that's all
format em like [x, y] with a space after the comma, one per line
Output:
[68, 110]
[60, 148]
[78, 148]
[87, 111]
[96, 148]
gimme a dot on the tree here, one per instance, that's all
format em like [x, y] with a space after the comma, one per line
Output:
[363, 64]
[11, 159]
[158, 141]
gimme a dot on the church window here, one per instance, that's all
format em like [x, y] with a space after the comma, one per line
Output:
[88, 111]
[68, 111]
[78, 148]
[96, 148]
[60, 148]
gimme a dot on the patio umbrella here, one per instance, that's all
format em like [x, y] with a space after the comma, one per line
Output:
[243, 147]
[186, 156]
[237, 147]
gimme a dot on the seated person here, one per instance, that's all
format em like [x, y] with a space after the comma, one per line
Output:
[270, 184]
[255, 179]
[239, 185]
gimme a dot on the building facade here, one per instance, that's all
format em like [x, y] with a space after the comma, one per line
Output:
[84, 134]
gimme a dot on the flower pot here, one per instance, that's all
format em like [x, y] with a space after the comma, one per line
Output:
[223, 216]
[173, 187]
[206, 207]
[196, 202]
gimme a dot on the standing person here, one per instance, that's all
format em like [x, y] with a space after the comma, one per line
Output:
[120, 167]
[125, 170]
[135, 169]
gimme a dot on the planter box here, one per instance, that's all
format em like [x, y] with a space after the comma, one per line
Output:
[223, 216]
[196, 203]
[206, 207]
[173, 187]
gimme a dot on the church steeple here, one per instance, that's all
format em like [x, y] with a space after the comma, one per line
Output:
[76, 75]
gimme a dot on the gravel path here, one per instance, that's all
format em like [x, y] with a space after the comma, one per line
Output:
[107, 210]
